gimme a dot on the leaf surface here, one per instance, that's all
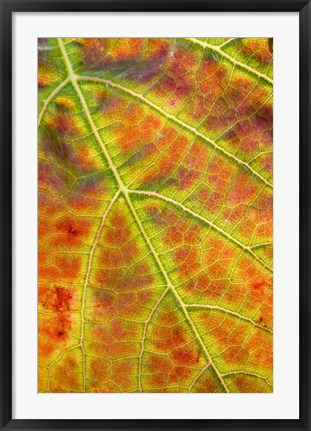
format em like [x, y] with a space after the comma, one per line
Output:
[155, 215]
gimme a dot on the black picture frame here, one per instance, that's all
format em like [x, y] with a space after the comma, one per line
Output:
[7, 10]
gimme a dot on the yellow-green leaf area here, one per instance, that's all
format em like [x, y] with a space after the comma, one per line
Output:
[155, 197]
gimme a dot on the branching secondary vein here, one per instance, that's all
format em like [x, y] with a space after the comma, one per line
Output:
[180, 122]
[218, 49]
[210, 223]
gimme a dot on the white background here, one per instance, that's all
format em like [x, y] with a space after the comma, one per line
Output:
[283, 403]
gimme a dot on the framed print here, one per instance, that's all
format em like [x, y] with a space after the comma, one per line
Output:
[155, 215]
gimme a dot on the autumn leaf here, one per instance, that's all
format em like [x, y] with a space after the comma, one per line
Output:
[155, 215]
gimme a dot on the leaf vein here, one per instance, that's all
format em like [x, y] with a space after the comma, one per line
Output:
[203, 219]
[178, 121]
[231, 59]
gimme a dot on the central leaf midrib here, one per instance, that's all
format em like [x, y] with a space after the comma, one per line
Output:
[72, 77]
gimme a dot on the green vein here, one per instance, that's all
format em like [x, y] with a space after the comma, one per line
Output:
[51, 97]
[86, 281]
[144, 337]
[230, 312]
